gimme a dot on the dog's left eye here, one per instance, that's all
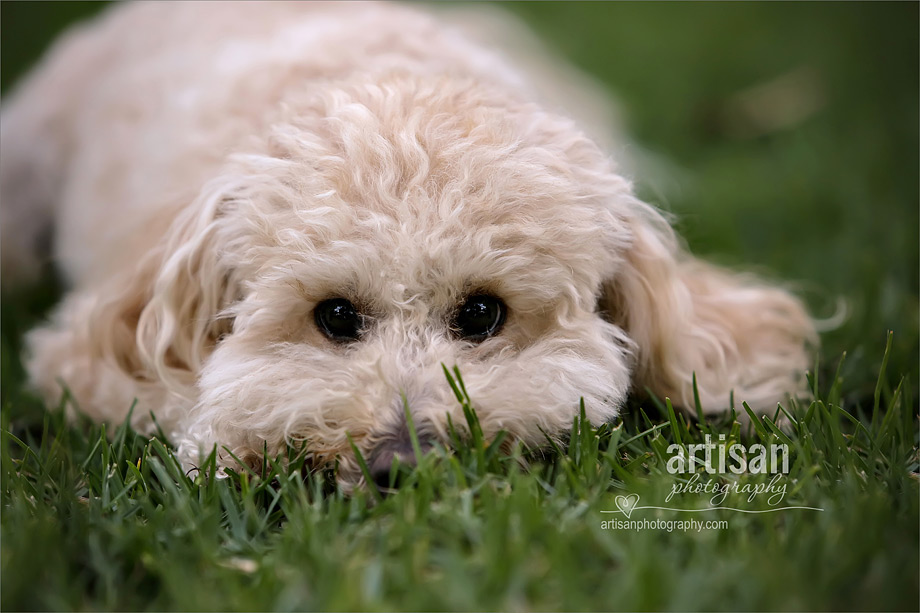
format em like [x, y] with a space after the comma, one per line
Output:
[479, 318]
[338, 319]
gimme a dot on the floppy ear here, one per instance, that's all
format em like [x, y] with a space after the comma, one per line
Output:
[735, 332]
[144, 334]
[193, 283]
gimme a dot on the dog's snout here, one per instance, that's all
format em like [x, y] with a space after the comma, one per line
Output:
[399, 449]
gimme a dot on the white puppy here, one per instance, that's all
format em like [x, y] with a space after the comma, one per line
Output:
[279, 220]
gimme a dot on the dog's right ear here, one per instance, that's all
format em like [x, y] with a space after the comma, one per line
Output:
[145, 333]
[191, 285]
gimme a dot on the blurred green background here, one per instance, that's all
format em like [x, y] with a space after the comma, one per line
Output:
[784, 135]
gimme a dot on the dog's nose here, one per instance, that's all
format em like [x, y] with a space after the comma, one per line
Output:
[399, 449]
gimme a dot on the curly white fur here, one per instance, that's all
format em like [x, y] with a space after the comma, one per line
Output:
[215, 171]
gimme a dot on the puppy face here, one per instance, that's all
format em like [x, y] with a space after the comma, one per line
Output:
[398, 231]
[385, 231]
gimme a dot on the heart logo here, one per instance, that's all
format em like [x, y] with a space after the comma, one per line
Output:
[627, 503]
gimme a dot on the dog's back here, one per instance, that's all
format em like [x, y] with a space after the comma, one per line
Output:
[129, 115]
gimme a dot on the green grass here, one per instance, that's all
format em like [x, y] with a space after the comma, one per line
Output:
[830, 201]
[117, 525]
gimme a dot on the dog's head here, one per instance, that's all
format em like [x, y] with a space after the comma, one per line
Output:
[386, 230]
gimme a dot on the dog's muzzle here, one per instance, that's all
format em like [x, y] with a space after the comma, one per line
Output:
[398, 448]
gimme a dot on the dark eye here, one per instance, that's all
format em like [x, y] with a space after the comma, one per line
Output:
[479, 318]
[338, 319]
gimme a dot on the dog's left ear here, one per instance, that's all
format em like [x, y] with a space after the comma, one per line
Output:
[735, 332]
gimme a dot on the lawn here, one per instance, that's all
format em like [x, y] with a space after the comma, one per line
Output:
[786, 138]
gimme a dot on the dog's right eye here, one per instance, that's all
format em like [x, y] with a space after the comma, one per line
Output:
[338, 319]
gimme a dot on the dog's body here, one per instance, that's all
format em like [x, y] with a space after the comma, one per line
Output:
[218, 173]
